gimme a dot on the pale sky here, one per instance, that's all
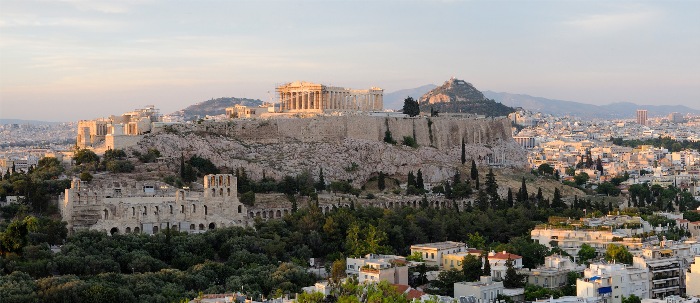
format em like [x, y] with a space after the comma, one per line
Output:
[75, 59]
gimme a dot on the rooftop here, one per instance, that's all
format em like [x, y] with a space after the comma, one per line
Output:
[439, 245]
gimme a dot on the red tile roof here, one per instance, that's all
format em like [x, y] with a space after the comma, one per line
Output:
[505, 256]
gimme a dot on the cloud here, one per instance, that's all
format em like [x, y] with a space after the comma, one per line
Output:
[615, 21]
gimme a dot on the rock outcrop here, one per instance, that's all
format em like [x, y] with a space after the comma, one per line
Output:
[459, 96]
[347, 148]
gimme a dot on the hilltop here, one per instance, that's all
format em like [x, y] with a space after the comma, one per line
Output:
[460, 96]
[394, 100]
[213, 107]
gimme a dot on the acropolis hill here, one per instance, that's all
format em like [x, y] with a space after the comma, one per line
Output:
[346, 147]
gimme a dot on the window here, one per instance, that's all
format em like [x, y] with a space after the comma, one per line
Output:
[432, 256]
[182, 209]
[194, 208]
[171, 209]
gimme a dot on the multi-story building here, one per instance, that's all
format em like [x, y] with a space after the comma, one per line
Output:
[612, 282]
[570, 239]
[642, 116]
[692, 279]
[485, 290]
[553, 273]
[433, 252]
[666, 271]
[454, 261]
[374, 268]
[498, 261]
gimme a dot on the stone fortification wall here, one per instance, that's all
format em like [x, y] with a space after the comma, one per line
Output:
[346, 147]
[438, 132]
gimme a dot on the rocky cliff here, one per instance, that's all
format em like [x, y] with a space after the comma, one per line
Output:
[460, 96]
[347, 148]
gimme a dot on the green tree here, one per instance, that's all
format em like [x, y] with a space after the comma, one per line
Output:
[487, 264]
[409, 141]
[631, 299]
[15, 237]
[321, 183]
[474, 171]
[581, 178]
[512, 278]
[545, 169]
[86, 176]
[85, 156]
[557, 202]
[381, 182]
[618, 253]
[464, 153]
[471, 268]
[419, 180]
[585, 253]
[388, 138]
[411, 107]
[248, 198]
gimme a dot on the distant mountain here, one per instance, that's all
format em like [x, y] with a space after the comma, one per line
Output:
[394, 100]
[31, 122]
[583, 110]
[213, 107]
[460, 96]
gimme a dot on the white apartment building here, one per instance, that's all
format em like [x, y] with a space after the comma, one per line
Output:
[497, 261]
[666, 271]
[553, 273]
[485, 290]
[374, 268]
[432, 252]
[570, 240]
[613, 281]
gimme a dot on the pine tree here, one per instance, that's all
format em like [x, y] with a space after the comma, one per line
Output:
[464, 153]
[477, 182]
[381, 183]
[482, 200]
[457, 178]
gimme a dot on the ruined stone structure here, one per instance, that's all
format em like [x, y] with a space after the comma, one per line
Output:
[128, 206]
[116, 132]
[317, 98]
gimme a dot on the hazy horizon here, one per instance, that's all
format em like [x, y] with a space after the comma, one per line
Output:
[70, 60]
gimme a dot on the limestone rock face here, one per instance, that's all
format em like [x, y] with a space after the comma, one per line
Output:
[347, 148]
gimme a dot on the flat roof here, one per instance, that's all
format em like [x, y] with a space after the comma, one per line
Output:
[439, 245]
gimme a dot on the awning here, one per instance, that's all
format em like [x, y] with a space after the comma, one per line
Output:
[605, 290]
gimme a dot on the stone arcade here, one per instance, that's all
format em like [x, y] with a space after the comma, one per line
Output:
[316, 98]
[127, 206]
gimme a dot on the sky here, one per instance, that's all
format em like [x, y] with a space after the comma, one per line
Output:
[83, 59]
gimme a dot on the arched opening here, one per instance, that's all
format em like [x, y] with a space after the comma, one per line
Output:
[105, 214]
[155, 212]
[201, 226]
[182, 209]
[270, 214]
[213, 192]
[251, 214]
[133, 211]
[128, 230]
[206, 210]
[171, 209]
[286, 212]
[221, 192]
[228, 192]
[137, 230]
[279, 213]
[257, 214]
[228, 180]
[194, 208]
[240, 208]
[191, 226]
[221, 180]
[212, 225]
[114, 231]
[264, 214]
[155, 229]
[145, 210]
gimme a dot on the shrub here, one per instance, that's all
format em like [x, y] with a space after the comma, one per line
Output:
[409, 141]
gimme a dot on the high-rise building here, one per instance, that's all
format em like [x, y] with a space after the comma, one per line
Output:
[675, 117]
[642, 116]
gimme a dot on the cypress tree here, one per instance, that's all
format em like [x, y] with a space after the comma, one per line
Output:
[539, 194]
[419, 180]
[487, 265]
[464, 153]
[523, 191]
[381, 183]
[457, 178]
[509, 199]
[321, 184]
[411, 179]
[474, 171]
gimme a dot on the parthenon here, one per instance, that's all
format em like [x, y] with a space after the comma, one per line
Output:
[312, 97]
